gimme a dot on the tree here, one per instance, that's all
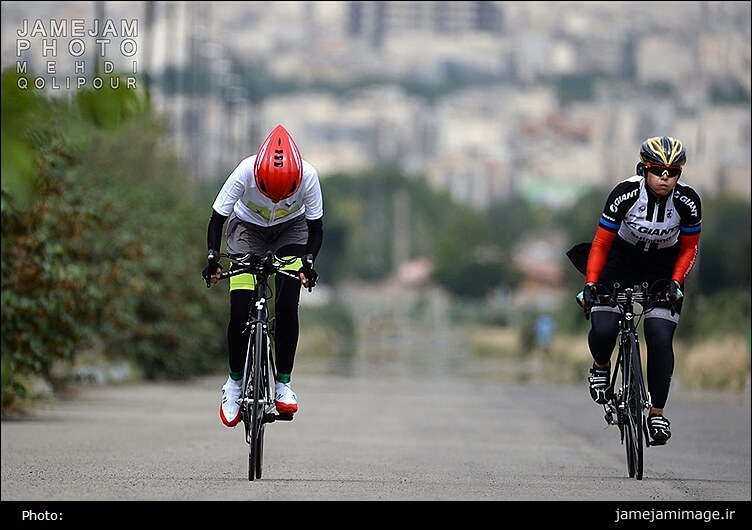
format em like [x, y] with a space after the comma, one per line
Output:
[724, 258]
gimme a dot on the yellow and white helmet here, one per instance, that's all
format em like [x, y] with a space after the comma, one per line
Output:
[663, 151]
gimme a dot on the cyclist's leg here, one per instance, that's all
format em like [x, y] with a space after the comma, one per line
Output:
[287, 324]
[659, 329]
[240, 304]
[659, 334]
[604, 320]
[286, 334]
[241, 301]
[290, 241]
[287, 331]
[604, 329]
[240, 241]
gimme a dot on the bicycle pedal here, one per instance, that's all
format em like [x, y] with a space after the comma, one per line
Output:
[285, 416]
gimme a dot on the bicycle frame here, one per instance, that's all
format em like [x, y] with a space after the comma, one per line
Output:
[630, 400]
[257, 399]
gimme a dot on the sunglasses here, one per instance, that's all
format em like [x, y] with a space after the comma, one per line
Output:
[672, 172]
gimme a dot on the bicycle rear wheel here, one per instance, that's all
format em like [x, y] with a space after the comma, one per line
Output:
[634, 411]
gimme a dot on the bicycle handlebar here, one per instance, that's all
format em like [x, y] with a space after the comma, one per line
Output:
[259, 265]
[621, 296]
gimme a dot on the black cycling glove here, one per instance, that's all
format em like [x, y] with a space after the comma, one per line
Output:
[589, 293]
[211, 267]
[307, 270]
[674, 291]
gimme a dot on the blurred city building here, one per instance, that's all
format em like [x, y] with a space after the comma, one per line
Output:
[550, 99]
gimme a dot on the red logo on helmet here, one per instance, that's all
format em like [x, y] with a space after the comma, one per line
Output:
[279, 166]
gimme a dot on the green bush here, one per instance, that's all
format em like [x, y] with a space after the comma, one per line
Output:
[107, 248]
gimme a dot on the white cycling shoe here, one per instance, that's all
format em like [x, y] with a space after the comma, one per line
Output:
[285, 399]
[229, 409]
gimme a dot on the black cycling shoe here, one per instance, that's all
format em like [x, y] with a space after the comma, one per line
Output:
[659, 429]
[600, 384]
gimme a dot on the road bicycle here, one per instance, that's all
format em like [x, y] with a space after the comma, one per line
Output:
[257, 398]
[629, 400]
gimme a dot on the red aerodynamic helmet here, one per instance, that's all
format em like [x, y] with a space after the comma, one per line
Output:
[279, 166]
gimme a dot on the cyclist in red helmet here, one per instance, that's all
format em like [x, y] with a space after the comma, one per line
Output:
[274, 203]
[649, 230]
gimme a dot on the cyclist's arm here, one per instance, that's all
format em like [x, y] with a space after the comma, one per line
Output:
[232, 191]
[314, 208]
[599, 253]
[214, 231]
[315, 236]
[688, 247]
[689, 206]
[618, 203]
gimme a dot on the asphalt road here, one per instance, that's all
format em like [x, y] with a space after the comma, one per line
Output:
[371, 438]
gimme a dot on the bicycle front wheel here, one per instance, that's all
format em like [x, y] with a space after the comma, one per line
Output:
[259, 400]
[634, 411]
[247, 403]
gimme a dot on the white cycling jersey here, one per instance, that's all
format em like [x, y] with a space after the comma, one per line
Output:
[239, 194]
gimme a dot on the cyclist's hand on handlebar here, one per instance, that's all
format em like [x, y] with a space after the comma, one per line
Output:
[213, 269]
[589, 293]
[308, 276]
[674, 293]
[586, 298]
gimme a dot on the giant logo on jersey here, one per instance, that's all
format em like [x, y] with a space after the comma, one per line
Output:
[614, 206]
[636, 227]
[689, 202]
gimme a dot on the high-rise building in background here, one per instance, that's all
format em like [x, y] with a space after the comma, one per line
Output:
[484, 99]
